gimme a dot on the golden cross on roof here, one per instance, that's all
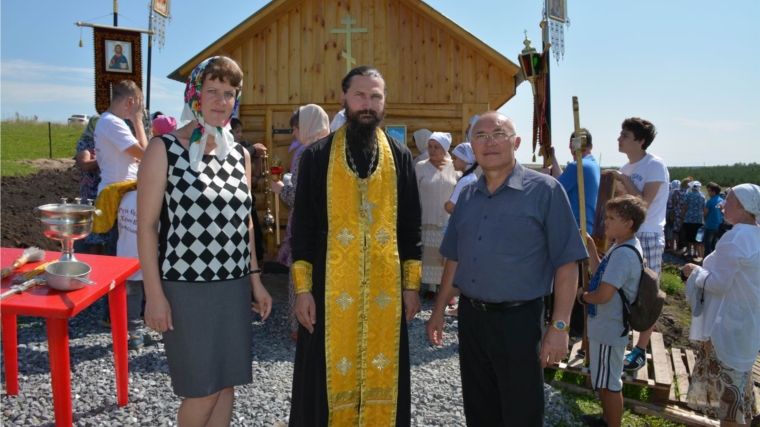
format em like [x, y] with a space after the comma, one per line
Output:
[350, 61]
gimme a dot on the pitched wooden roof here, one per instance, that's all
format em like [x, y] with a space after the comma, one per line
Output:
[290, 56]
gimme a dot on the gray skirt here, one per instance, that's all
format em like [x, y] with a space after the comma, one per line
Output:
[210, 347]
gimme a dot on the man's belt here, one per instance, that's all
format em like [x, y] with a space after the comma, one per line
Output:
[492, 306]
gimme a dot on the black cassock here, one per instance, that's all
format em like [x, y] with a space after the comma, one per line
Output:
[309, 243]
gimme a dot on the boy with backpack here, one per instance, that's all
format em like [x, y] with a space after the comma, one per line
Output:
[617, 275]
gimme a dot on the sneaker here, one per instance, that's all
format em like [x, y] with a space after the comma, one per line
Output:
[593, 421]
[453, 302]
[635, 360]
[136, 340]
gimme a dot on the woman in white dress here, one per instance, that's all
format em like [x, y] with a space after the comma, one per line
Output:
[436, 179]
[725, 297]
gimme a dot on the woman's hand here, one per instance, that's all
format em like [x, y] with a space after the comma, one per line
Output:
[688, 269]
[276, 186]
[262, 300]
[158, 314]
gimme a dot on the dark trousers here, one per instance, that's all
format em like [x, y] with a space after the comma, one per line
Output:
[135, 294]
[502, 377]
[710, 239]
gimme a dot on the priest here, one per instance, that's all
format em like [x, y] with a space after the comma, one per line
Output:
[356, 268]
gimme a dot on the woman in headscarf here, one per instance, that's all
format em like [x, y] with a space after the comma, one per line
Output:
[725, 297]
[436, 179]
[310, 124]
[421, 138]
[464, 162]
[692, 215]
[676, 199]
[88, 187]
[195, 243]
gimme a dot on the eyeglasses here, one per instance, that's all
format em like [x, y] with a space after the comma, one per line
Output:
[482, 138]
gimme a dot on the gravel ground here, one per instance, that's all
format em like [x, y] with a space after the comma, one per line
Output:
[436, 385]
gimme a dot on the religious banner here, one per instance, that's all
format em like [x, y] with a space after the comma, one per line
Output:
[118, 56]
[556, 12]
[161, 7]
[158, 17]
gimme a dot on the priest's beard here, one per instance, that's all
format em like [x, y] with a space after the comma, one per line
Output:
[360, 129]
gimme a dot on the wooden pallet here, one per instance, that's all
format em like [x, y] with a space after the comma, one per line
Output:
[657, 375]
[664, 368]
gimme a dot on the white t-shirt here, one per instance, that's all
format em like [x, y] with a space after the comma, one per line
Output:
[126, 246]
[461, 184]
[651, 169]
[112, 137]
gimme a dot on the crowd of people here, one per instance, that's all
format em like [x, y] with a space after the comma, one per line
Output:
[371, 230]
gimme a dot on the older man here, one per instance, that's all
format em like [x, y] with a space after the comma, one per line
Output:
[511, 237]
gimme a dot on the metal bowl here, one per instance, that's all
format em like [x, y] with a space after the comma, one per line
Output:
[61, 229]
[72, 212]
[67, 222]
[62, 275]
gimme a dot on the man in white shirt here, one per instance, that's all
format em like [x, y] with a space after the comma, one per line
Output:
[645, 176]
[116, 148]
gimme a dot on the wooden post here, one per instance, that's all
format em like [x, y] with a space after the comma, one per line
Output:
[581, 212]
[50, 139]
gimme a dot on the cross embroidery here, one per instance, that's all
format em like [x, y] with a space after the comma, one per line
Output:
[367, 207]
[380, 362]
[345, 237]
[344, 366]
[344, 301]
[382, 299]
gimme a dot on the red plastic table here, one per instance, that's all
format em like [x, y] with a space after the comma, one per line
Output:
[57, 307]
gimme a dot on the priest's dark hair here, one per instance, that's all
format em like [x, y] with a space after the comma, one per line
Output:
[365, 71]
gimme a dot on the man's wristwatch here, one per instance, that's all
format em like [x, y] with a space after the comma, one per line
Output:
[561, 326]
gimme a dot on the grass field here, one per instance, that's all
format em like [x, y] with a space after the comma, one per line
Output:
[28, 140]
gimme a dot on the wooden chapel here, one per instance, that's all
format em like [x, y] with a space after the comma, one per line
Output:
[296, 52]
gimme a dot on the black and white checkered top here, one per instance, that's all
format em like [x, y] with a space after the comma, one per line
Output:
[203, 233]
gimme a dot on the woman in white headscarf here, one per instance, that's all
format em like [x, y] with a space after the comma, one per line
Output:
[725, 297]
[464, 162]
[421, 138]
[310, 124]
[436, 179]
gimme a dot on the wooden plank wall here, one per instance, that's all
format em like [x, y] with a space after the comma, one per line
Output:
[296, 59]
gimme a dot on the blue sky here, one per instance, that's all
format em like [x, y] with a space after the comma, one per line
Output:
[690, 67]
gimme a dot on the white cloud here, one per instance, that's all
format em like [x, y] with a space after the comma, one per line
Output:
[715, 125]
[19, 93]
[21, 70]
[25, 83]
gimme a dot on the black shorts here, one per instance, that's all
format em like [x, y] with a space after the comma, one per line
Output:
[690, 231]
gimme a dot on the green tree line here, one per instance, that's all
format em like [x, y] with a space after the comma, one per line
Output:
[725, 176]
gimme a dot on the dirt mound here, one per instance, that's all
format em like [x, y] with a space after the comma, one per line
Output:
[51, 164]
[19, 227]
